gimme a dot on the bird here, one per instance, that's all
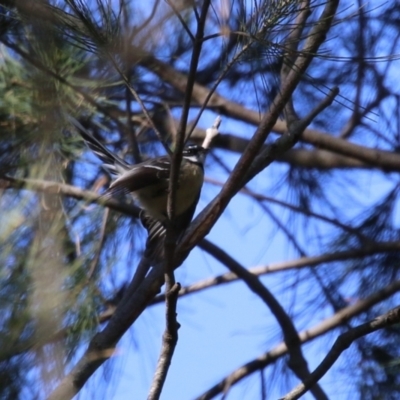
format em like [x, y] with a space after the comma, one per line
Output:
[148, 182]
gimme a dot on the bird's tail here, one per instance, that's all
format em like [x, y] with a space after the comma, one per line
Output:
[156, 229]
[111, 162]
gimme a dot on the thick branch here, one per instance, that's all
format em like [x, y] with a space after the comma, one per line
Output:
[304, 158]
[297, 362]
[103, 343]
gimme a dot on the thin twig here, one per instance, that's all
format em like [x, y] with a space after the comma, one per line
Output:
[181, 20]
[341, 344]
[170, 336]
[169, 341]
[132, 139]
[100, 243]
[260, 197]
[301, 262]
[222, 75]
[306, 336]
[140, 102]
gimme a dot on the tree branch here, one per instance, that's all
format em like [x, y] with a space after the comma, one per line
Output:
[297, 363]
[341, 344]
[37, 185]
[387, 160]
[302, 262]
[170, 339]
[306, 336]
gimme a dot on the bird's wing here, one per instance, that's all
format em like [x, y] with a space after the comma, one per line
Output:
[143, 175]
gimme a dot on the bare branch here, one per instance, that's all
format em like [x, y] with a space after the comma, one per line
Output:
[100, 243]
[181, 20]
[302, 262]
[297, 363]
[321, 140]
[302, 210]
[211, 133]
[170, 339]
[288, 140]
[341, 344]
[7, 182]
[306, 336]
[304, 158]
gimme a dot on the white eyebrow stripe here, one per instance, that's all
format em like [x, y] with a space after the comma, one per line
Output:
[192, 158]
[154, 166]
